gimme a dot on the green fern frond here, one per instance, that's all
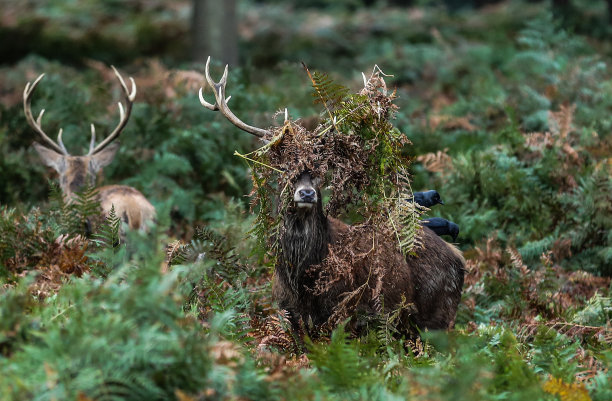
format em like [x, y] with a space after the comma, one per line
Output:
[56, 196]
[108, 235]
[405, 214]
[338, 362]
[228, 264]
[25, 238]
[86, 203]
[326, 92]
[79, 214]
[387, 323]
[207, 245]
[532, 250]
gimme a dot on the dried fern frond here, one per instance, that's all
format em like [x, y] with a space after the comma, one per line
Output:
[449, 122]
[560, 122]
[275, 331]
[562, 140]
[438, 162]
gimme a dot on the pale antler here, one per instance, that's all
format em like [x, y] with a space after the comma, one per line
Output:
[221, 103]
[123, 116]
[35, 124]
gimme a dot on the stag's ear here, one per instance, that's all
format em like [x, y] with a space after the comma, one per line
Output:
[104, 157]
[51, 158]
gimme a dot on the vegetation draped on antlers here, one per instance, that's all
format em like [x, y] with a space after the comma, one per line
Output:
[355, 150]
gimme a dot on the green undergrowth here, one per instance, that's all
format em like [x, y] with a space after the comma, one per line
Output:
[127, 326]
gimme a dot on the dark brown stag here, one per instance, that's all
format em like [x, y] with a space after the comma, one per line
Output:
[78, 172]
[326, 267]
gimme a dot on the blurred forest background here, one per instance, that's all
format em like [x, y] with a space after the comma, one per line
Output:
[508, 105]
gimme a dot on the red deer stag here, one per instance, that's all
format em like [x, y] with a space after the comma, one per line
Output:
[431, 280]
[78, 172]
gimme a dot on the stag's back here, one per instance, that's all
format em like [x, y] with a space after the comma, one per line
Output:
[431, 279]
[130, 205]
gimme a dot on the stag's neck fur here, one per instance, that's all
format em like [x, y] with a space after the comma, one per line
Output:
[304, 241]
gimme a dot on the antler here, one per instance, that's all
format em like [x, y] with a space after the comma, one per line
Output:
[221, 103]
[35, 124]
[123, 116]
[59, 147]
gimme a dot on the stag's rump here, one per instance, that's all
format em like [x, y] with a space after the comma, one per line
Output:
[437, 280]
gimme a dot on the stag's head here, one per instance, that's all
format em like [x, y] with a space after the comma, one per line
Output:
[77, 172]
[305, 184]
[307, 193]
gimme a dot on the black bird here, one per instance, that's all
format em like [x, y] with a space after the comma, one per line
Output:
[428, 198]
[442, 226]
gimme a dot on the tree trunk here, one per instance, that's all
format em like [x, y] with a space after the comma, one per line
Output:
[562, 10]
[214, 31]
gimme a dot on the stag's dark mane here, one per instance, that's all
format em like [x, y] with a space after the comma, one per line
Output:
[304, 241]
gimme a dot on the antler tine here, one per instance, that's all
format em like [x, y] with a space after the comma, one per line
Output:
[221, 102]
[204, 103]
[124, 115]
[212, 84]
[209, 106]
[59, 141]
[92, 142]
[35, 124]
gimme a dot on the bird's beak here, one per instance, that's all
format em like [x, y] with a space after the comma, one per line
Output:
[441, 202]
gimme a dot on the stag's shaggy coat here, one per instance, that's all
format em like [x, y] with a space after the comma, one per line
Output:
[306, 287]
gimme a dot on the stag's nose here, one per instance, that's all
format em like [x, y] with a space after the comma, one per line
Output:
[307, 195]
